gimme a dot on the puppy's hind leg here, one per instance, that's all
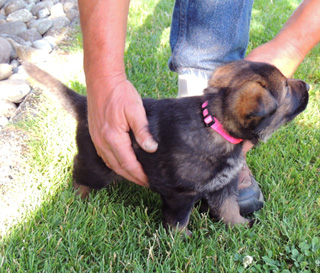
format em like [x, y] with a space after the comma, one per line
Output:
[90, 174]
[176, 210]
[81, 190]
[223, 204]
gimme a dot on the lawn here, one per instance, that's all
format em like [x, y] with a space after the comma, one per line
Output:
[119, 228]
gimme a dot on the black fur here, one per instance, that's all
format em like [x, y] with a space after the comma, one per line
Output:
[193, 162]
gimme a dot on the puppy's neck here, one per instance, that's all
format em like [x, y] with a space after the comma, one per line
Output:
[215, 125]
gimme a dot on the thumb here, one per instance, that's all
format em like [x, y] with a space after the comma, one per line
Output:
[144, 138]
[139, 125]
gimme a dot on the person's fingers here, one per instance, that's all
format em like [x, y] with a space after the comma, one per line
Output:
[110, 121]
[138, 123]
[122, 160]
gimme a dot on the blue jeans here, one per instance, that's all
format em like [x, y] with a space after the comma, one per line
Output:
[207, 33]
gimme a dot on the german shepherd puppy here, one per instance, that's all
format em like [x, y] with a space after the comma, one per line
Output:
[200, 138]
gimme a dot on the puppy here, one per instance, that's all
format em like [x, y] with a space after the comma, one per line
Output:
[200, 138]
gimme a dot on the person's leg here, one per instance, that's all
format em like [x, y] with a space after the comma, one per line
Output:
[204, 35]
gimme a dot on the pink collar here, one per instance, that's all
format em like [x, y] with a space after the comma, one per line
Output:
[215, 125]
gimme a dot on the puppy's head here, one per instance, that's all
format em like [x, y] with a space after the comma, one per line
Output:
[252, 100]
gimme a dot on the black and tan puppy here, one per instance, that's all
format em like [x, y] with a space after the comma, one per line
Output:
[200, 138]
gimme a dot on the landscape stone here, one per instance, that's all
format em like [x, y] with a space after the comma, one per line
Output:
[20, 74]
[5, 71]
[60, 22]
[40, 5]
[29, 31]
[16, 38]
[3, 121]
[14, 90]
[23, 15]
[14, 5]
[57, 11]
[5, 50]
[72, 14]
[13, 28]
[2, 2]
[7, 109]
[14, 64]
[67, 6]
[55, 32]
[43, 13]
[42, 44]
[30, 35]
[30, 6]
[32, 1]
[41, 25]
[51, 40]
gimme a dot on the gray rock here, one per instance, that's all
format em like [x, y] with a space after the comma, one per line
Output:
[70, 6]
[3, 121]
[2, 2]
[20, 74]
[14, 64]
[57, 11]
[2, 22]
[72, 14]
[5, 71]
[32, 1]
[30, 35]
[7, 109]
[16, 38]
[42, 44]
[41, 5]
[41, 25]
[5, 50]
[13, 28]
[14, 90]
[55, 32]
[2, 17]
[60, 22]
[51, 40]
[43, 13]
[30, 6]
[14, 5]
[23, 15]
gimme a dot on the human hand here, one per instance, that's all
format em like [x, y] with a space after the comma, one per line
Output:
[285, 57]
[115, 108]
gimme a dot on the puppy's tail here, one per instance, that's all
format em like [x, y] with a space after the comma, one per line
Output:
[71, 101]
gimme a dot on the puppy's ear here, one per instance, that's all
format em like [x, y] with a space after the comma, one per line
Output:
[254, 104]
[223, 75]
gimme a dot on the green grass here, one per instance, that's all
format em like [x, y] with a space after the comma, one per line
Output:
[119, 228]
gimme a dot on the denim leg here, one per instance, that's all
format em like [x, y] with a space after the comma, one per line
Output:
[207, 33]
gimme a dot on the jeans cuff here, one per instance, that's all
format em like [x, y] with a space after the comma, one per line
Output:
[192, 83]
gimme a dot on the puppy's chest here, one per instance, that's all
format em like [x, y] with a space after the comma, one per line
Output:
[209, 169]
[222, 174]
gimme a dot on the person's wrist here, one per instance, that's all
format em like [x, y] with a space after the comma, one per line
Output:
[281, 53]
